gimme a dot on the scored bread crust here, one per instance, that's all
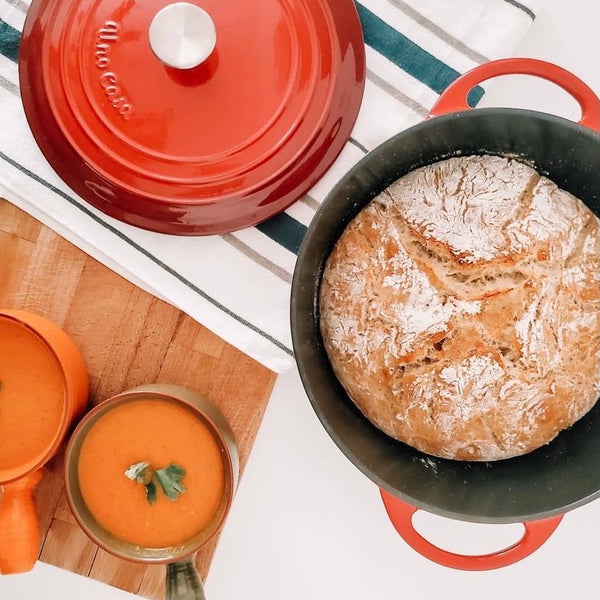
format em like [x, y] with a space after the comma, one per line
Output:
[460, 309]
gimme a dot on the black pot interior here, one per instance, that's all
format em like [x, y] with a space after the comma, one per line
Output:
[553, 479]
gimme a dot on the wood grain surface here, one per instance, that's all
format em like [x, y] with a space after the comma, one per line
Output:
[127, 338]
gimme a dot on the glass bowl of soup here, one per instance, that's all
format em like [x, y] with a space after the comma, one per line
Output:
[150, 476]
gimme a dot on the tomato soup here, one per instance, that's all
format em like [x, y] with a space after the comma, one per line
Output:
[32, 396]
[161, 433]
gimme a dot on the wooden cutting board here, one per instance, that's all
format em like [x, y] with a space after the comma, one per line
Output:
[127, 338]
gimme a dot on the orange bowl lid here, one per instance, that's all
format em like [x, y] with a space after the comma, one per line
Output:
[261, 117]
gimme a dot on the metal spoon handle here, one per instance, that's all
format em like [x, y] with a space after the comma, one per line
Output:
[183, 581]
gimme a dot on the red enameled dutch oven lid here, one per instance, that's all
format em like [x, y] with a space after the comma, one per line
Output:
[123, 116]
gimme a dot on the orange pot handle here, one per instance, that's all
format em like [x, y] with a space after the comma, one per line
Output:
[19, 525]
[454, 98]
[536, 533]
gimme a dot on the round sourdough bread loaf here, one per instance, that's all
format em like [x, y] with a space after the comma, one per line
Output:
[460, 309]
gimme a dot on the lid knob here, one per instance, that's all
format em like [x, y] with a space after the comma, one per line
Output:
[182, 35]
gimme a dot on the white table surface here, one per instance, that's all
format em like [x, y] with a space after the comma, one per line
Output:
[307, 524]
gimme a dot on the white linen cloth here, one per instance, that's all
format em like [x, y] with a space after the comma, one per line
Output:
[238, 285]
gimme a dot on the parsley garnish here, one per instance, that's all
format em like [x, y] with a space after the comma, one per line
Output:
[169, 479]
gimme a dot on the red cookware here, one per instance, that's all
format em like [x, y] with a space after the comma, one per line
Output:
[191, 117]
[539, 487]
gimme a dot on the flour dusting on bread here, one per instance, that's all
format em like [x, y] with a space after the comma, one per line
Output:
[461, 309]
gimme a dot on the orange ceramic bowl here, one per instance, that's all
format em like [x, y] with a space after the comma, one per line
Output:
[38, 356]
[178, 555]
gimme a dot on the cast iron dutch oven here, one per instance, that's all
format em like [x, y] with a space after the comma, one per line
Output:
[537, 488]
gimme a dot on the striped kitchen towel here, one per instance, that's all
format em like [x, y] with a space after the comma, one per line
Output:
[238, 285]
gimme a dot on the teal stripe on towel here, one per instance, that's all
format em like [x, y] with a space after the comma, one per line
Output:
[284, 230]
[410, 57]
[9, 41]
